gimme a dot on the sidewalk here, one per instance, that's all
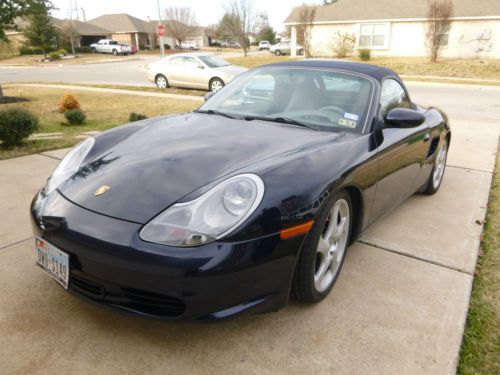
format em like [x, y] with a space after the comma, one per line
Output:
[399, 306]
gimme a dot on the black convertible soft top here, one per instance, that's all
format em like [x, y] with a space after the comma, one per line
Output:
[376, 72]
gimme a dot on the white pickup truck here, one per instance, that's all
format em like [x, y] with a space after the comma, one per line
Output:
[111, 46]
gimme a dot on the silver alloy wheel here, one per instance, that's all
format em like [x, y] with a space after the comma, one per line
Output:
[161, 82]
[216, 85]
[332, 245]
[440, 165]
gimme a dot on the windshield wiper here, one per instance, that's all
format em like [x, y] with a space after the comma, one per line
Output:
[281, 120]
[213, 112]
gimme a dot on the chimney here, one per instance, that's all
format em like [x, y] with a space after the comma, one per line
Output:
[84, 16]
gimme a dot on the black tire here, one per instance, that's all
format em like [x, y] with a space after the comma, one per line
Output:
[161, 82]
[277, 52]
[431, 186]
[215, 82]
[301, 51]
[115, 52]
[94, 50]
[303, 287]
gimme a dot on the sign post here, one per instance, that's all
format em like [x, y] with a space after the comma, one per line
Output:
[162, 46]
[160, 31]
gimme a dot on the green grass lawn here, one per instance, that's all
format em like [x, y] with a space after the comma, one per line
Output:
[103, 110]
[480, 352]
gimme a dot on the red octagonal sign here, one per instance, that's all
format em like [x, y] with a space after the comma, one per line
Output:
[160, 30]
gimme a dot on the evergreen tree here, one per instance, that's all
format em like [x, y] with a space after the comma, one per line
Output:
[40, 32]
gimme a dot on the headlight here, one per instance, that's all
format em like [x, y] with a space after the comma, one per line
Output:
[215, 214]
[69, 165]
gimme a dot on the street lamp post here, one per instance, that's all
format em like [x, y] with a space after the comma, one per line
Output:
[162, 47]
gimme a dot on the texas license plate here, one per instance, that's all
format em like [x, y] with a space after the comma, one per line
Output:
[53, 261]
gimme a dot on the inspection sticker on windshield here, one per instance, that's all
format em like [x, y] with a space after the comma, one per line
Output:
[351, 116]
[347, 122]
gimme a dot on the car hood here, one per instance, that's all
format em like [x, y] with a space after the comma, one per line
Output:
[168, 158]
[233, 70]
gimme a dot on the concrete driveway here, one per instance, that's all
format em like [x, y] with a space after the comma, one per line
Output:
[399, 306]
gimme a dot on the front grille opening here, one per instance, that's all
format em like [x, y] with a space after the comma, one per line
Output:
[153, 303]
[86, 287]
[131, 299]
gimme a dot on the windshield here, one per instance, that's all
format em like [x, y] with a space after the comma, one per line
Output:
[322, 99]
[214, 61]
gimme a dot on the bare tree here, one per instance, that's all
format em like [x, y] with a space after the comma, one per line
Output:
[439, 13]
[343, 43]
[306, 19]
[239, 21]
[181, 22]
[68, 35]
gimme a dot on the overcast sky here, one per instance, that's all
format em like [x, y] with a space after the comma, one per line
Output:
[207, 11]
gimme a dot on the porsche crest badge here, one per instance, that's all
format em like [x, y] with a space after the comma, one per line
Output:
[101, 190]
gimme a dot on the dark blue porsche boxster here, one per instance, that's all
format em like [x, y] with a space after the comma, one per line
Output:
[237, 206]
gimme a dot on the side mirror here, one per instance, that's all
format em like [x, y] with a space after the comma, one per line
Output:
[201, 66]
[403, 118]
[209, 95]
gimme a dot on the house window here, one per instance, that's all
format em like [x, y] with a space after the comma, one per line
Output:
[373, 35]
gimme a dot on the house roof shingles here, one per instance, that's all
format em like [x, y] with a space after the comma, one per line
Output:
[357, 10]
[121, 23]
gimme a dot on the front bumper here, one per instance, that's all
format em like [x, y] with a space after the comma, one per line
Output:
[112, 267]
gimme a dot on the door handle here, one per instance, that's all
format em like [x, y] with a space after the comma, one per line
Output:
[427, 136]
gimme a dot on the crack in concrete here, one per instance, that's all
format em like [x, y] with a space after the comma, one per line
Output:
[15, 243]
[398, 252]
[51, 157]
[468, 169]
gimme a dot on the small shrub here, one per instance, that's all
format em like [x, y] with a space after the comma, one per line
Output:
[365, 54]
[167, 46]
[54, 56]
[16, 124]
[25, 50]
[75, 116]
[83, 49]
[136, 117]
[62, 52]
[68, 101]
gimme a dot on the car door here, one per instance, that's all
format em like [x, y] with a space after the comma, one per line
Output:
[173, 70]
[194, 73]
[401, 152]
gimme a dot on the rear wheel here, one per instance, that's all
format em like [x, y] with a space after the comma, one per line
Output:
[161, 81]
[436, 177]
[216, 84]
[324, 250]
[301, 51]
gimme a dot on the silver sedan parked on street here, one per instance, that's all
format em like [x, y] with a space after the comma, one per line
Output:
[193, 70]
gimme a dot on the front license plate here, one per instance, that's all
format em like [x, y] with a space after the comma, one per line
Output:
[53, 261]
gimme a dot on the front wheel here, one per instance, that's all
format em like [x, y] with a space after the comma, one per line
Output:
[301, 52]
[323, 251]
[216, 84]
[115, 52]
[277, 52]
[161, 81]
[436, 176]
[94, 50]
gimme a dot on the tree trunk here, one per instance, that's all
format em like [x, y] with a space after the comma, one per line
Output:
[1, 93]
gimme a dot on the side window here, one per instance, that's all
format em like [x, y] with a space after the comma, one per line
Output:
[176, 61]
[392, 96]
[190, 62]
